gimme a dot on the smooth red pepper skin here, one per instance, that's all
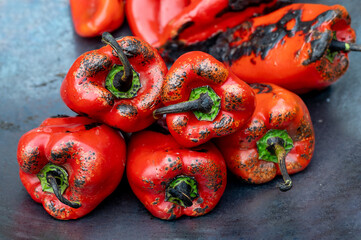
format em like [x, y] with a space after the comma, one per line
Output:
[155, 159]
[196, 69]
[147, 18]
[276, 108]
[92, 154]
[83, 89]
[93, 17]
[201, 20]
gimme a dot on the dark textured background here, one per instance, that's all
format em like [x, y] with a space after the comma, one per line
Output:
[38, 46]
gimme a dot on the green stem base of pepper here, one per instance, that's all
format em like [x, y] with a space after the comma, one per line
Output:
[273, 147]
[182, 190]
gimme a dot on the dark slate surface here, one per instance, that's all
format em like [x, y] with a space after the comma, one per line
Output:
[37, 47]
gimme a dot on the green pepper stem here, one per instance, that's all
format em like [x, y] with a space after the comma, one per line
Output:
[51, 179]
[123, 80]
[203, 104]
[342, 46]
[276, 146]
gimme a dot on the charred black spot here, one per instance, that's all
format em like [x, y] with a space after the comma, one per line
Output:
[91, 64]
[201, 210]
[30, 159]
[127, 110]
[60, 116]
[200, 150]
[319, 47]
[79, 183]
[92, 125]
[240, 5]
[59, 155]
[184, 27]
[262, 88]
[133, 47]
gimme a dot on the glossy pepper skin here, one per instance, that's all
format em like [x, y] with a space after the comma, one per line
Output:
[147, 18]
[157, 166]
[86, 89]
[290, 47]
[93, 17]
[276, 109]
[232, 100]
[201, 20]
[87, 159]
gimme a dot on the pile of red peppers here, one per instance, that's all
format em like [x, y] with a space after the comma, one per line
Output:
[227, 103]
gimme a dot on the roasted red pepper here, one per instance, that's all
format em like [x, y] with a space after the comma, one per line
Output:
[204, 100]
[279, 138]
[147, 18]
[300, 47]
[120, 89]
[201, 19]
[94, 17]
[171, 180]
[71, 164]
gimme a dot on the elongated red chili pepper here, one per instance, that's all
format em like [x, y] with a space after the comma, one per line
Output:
[295, 47]
[71, 164]
[147, 18]
[93, 17]
[204, 100]
[171, 180]
[278, 140]
[120, 89]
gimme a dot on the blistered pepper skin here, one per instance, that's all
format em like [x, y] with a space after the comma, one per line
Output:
[197, 69]
[290, 47]
[276, 108]
[93, 17]
[154, 160]
[294, 53]
[83, 89]
[92, 154]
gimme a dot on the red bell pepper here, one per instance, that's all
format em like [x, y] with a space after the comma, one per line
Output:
[94, 17]
[171, 180]
[278, 140]
[71, 164]
[147, 18]
[204, 100]
[300, 47]
[118, 84]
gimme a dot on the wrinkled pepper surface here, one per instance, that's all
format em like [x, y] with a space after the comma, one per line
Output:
[201, 19]
[93, 17]
[300, 47]
[71, 164]
[203, 100]
[147, 18]
[118, 84]
[278, 140]
[171, 180]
